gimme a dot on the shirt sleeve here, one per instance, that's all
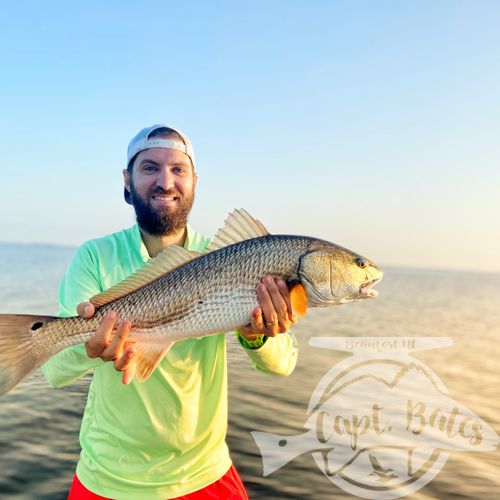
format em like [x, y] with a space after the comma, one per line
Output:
[80, 282]
[278, 355]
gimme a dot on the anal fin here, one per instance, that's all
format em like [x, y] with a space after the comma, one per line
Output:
[148, 357]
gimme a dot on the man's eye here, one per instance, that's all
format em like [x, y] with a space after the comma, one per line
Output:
[179, 170]
[149, 168]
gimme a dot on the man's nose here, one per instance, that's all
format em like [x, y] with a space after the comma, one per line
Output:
[165, 179]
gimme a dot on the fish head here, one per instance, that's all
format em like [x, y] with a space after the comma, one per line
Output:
[335, 275]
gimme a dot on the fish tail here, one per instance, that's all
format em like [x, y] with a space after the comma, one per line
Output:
[19, 355]
[275, 450]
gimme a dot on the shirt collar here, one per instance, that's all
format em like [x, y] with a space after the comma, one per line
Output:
[138, 243]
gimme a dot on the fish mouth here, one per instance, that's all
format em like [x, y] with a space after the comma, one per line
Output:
[366, 289]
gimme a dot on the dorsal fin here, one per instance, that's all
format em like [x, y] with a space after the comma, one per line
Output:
[170, 258]
[238, 226]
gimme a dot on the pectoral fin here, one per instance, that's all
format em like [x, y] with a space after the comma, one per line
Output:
[298, 298]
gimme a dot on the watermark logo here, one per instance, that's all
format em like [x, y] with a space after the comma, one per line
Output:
[381, 423]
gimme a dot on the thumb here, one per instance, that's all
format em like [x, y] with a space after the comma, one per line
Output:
[85, 309]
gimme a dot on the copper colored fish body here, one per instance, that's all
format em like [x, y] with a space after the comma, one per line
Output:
[181, 294]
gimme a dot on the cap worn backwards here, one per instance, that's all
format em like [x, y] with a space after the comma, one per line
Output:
[143, 140]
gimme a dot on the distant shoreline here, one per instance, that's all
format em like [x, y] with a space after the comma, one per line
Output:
[15, 244]
[388, 267]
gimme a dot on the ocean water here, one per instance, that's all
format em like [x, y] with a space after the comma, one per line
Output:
[39, 425]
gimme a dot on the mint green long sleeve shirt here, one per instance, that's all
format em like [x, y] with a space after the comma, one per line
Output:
[165, 437]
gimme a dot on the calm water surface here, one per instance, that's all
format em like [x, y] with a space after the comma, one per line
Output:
[39, 425]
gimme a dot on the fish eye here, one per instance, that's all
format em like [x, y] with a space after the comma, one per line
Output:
[360, 262]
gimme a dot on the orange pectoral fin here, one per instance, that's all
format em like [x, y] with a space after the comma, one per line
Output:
[298, 298]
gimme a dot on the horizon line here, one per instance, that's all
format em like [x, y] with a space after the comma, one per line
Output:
[395, 267]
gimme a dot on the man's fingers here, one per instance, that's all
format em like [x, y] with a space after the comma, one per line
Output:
[286, 297]
[257, 320]
[101, 346]
[100, 340]
[125, 361]
[129, 372]
[277, 298]
[275, 314]
[275, 311]
[255, 327]
[268, 311]
[85, 309]
[266, 302]
[115, 348]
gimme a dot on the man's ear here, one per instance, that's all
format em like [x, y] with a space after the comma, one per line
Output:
[126, 179]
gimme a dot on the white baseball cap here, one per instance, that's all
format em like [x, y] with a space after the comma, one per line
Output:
[143, 140]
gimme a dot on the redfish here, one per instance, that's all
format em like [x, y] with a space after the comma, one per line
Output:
[181, 294]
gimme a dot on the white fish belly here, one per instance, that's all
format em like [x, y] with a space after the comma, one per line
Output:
[222, 312]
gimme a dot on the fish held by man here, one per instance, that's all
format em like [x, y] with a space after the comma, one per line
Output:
[182, 294]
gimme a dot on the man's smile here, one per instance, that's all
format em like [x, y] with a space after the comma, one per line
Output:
[164, 200]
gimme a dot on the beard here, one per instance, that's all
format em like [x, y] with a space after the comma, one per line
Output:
[164, 221]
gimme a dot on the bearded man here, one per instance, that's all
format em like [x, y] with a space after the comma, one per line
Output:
[164, 438]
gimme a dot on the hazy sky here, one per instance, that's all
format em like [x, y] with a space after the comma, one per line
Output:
[374, 124]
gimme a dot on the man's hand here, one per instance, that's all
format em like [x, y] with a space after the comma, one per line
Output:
[275, 314]
[101, 346]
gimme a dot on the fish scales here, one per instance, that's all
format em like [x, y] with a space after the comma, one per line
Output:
[212, 293]
[214, 286]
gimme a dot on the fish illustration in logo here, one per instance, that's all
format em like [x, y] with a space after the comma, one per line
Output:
[379, 426]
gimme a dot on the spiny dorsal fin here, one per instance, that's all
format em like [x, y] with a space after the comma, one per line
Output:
[238, 226]
[170, 258]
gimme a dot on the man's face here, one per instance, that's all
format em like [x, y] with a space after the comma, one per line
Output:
[162, 186]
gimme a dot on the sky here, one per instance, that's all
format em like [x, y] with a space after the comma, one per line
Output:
[372, 124]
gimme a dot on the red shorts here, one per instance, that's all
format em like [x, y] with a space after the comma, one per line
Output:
[228, 487]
